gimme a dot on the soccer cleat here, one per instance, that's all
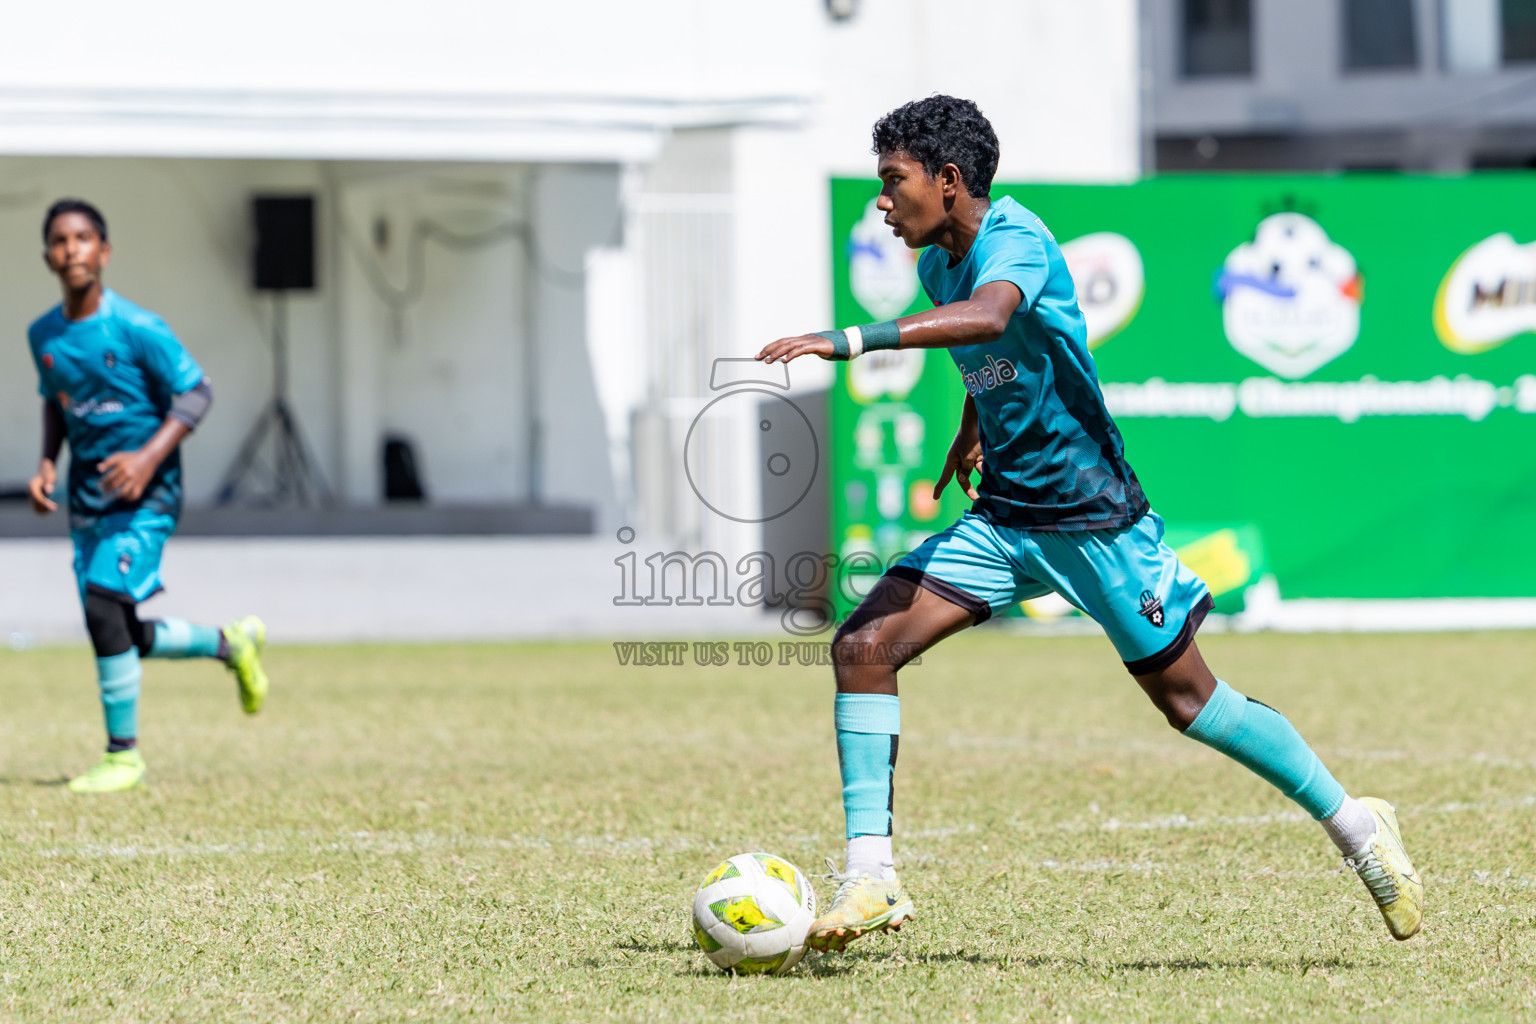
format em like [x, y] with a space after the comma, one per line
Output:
[862, 905]
[245, 638]
[1384, 867]
[114, 773]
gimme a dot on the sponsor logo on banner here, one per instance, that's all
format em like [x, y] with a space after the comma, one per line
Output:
[1110, 280]
[882, 271]
[1291, 297]
[1488, 296]
[889, 373]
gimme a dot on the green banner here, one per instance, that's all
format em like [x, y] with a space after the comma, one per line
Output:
[1323, 381]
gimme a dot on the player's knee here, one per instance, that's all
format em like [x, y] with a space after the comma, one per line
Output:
[141, 632]
[107, 621]
[850, 653]
[847, 642]
[1180, 708]
[864, 663]
[1179, 717]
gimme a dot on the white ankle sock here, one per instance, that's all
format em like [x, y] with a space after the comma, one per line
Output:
[871, 855]
[1351, 828]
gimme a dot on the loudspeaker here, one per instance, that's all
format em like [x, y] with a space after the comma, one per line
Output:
[402, 482]
[285, 243]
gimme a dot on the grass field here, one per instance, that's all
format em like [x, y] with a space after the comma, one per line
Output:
[515, 832]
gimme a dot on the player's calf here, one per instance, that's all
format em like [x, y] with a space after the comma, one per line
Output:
[109, 619]
[238, 645]
[1365, 830]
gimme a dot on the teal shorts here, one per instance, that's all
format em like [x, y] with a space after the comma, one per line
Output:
[1126, 579]
[119, 555]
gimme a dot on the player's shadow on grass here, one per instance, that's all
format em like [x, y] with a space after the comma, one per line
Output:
[9, 781]
[829, 966]
[1270, 963]
[832, 965]
[636, 946]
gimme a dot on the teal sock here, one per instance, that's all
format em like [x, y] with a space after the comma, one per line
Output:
[178, 638]
[868, 730]
[118, 677]
[1261, 739]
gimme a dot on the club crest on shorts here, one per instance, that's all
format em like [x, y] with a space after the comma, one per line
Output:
[1152, 608]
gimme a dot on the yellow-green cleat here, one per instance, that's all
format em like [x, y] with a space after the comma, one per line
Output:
[1384, 867]
[245, 638]
[862, 905]
[114, 773]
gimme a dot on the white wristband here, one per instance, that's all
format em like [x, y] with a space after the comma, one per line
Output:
[855, 342]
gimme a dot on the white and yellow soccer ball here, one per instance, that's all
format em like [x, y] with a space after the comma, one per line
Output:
[752, 913]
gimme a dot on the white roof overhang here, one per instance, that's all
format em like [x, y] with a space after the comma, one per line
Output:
[365, 125]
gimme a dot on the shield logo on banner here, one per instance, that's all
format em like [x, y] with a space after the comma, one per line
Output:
[1291, 297]
[882, 271]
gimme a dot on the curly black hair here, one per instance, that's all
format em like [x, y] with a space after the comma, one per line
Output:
[943, 130]
[64, 206]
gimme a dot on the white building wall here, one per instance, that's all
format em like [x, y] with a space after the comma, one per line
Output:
[1058, 80]
[607, 48]
[575, 210]
[437, 321]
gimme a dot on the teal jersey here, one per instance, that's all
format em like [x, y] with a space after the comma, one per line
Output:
[113, 374]
[1053, 457]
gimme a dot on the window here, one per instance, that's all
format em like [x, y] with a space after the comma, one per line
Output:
[1218, 37]
[1482, 35]
[1379, 34]
[1519, 24]
[1469, 35]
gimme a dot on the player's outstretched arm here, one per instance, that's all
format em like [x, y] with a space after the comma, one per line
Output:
[40, 487]
[980, 319]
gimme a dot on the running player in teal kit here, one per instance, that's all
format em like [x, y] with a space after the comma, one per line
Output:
[1057, 509]
[119, 387]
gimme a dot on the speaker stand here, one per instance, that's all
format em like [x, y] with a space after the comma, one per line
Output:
[290, 477]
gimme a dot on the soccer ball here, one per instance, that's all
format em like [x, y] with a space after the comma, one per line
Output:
[752, 913]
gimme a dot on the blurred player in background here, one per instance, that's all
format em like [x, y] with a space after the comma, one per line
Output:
[1057, 509]
[119, 387]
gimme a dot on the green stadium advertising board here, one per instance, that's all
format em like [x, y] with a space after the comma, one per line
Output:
[1329, 381]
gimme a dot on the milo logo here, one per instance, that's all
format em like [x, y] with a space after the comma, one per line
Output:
[985, 378]
[1488, 296]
